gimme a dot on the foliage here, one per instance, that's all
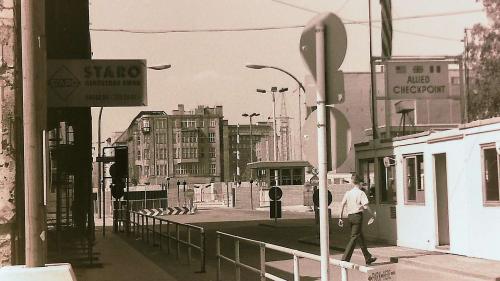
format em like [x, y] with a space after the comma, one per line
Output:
[484, 63]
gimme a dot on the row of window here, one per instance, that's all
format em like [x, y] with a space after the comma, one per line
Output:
[414, 178]
[145, 171]
[192, 152]
[195, 169]
[194, 123]
[191, 137]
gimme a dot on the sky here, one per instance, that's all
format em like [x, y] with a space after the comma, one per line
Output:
[208, 68]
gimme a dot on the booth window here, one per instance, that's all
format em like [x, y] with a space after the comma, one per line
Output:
[414, 179]
[298, 176]
[387, 176]
[367, 171]
[491, 185]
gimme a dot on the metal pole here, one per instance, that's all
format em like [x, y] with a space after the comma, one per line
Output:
[34, 90]
[99, 175]
[275, 148]
[322, 151]
[300, 126]
[237, 155]
[103, 203]
[373, 90]
[251, 147]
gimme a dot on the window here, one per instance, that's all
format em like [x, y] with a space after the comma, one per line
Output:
[414, 179]
[212, 152]
[146, 171]
[298, 174]
[146, 154]
[491, 185]
[138, 155]
[213, 122]
[161, 138]
[387, 176]
[286, 177]
[213, 168]
[367, 171]
[138, 138]
[211, 137]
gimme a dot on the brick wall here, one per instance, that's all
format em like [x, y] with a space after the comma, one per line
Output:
[8, 126]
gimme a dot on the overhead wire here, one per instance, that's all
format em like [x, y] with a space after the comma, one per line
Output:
[345, 20]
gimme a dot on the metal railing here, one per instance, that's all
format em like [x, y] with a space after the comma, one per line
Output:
[159, 229]
[344, 266]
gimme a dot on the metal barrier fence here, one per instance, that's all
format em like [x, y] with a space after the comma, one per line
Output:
[344, 266]
[160, 229]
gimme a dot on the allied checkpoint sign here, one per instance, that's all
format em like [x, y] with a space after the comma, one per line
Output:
[417, 79]
[96, 83]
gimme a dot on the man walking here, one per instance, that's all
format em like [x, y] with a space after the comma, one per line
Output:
[356, 202]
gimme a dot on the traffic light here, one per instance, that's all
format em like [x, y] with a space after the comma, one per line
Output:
[119, 169]
[119, 172]
[118, 188]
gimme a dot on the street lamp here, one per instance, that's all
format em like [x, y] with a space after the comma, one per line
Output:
[275, 148]
[301, 87]
[251, 137]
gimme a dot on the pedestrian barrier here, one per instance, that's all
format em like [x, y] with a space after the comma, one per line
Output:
[386, 273]
[159, 229]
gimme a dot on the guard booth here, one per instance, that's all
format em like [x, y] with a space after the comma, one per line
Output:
[291, 179]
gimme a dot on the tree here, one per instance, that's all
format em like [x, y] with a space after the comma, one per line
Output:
[483, 51]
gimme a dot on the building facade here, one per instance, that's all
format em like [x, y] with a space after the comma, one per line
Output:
[245, 144]
[182, 146]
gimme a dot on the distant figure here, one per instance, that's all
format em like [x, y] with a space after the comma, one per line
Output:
[356, 202]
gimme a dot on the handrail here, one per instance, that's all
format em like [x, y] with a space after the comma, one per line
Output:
[140, 220]
[344, 265]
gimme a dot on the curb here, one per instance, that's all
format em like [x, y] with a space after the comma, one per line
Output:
[428, 266]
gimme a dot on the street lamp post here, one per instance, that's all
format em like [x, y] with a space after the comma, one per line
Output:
[275, 148]
[301, 87]
[251, 137]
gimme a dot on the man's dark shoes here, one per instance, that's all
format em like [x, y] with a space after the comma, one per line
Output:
[371, 260]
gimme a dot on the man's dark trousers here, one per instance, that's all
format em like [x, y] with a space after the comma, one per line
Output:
[356, 221]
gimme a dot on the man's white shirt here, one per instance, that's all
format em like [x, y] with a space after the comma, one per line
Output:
[355, 200]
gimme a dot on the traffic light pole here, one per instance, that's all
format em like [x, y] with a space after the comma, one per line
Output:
[322, 152]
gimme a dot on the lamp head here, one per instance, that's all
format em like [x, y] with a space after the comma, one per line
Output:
[283, 90]
[254, 114]
[274, 89]
[245, 115]
[160, 67]
[255, 66]
[261, 91]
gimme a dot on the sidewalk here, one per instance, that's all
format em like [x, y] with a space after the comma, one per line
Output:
[119, 261]
[465, 267]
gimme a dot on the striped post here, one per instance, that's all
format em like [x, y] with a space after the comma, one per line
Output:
[386, 28]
